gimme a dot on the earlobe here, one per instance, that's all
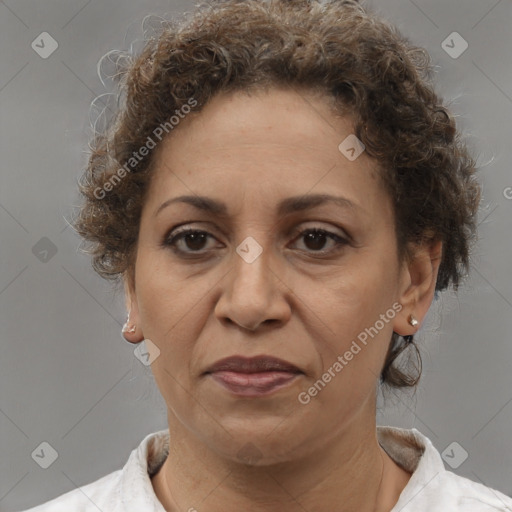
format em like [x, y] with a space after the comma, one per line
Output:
[131, 331]
[421, 273]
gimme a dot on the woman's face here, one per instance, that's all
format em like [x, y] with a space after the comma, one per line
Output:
[252, 285]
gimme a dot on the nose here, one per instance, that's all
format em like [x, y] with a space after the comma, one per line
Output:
[253, 294]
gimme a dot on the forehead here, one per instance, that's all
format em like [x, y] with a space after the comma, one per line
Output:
[275, 143]
[276, 117]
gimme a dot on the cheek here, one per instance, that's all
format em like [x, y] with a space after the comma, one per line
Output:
[351, 306]
[174, 307]
[353, 358]
[354, 296]
[166, 310]
[164, 297]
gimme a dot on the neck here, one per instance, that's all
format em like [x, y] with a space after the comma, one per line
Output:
[350, 473]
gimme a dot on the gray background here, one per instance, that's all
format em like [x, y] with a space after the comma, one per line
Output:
[66, 376]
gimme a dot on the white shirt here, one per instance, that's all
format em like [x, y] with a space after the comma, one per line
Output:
[430, 488]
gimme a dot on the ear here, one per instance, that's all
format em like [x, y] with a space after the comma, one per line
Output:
[418, 284]
[132, 307]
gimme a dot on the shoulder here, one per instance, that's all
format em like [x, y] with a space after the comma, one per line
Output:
[448, 491]
[127, 489]
[472, 496]
[432, 486]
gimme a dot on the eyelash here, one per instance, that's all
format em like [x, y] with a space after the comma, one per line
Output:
[171, 241]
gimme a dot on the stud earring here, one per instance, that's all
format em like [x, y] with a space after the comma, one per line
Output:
[126, 327]
[413, 321]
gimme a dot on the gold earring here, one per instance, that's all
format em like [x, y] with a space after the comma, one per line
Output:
[413, 321]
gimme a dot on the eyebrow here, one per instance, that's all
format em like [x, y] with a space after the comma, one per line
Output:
[286, 206]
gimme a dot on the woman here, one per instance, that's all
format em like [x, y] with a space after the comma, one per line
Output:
[281, 193]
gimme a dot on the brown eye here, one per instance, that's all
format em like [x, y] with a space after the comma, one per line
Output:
[193, 240]
[315, 239]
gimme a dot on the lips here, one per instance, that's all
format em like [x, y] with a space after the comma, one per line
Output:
[253, 377]
[240, 364]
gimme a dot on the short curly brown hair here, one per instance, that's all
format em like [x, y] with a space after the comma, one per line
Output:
[361, 64]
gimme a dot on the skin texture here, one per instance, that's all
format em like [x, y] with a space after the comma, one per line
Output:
[251, 152]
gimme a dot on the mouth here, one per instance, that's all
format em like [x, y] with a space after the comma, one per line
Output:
[256, 376]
